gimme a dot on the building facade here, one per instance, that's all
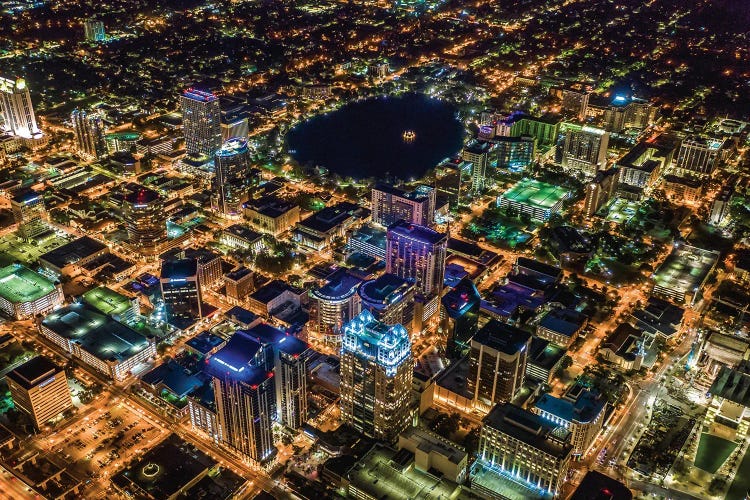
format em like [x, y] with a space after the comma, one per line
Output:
[145, 220]
[376, 377]
[201, 122]
[89, 132]
[417, 254]
[390, 205]
[39, 388]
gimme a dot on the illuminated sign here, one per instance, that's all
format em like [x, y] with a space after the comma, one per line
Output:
[47, 382]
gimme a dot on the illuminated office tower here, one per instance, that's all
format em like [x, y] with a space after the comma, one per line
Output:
[497, 363]
[417, 254]
[459, 316]
[389, 299]
[145, 220]
[231, 165]
[244, 395]
[17, 109]
[29, 213]
[333, 305]
[39, 388]
[390, 204]
[478, 153]
[585, 149]
[201, 122]
[89, 133]
[376, 376]
[181, 291]
[93, 30]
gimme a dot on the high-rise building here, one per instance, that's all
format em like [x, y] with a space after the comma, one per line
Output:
[17, 109]
[39, 388]
[497, 363]
[231, 165]
[600, 190]
[478, 154]
[245, 396]
[333, 305]
[575, 101]
[93, 30]
[459, 316]
[698, 155]
[417, 254]
[181, 291]
[145, 220]
[209, 263]
[201, 122]
[514, 153]
[516, 443]
[29, 213]
[585, 149]
[376, 377]
[389, 299]
[290, 366]
[390, 204]
[89, 132]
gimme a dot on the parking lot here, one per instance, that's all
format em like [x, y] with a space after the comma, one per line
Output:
[99, 444]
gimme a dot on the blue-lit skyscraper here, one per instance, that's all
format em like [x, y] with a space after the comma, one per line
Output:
[376, 376]
[201, 122]
[181, 291]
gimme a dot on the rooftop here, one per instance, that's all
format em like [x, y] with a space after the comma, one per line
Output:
[587, 406]
[417, 232]
[204, 342]
[180, 269]
[732, 384]
[659, 316]
[243, 232]
[502, 337]
[597, 486]
[174, 377]
[340, 286]
[686, 268]
[527, 427]
[107, 301]
[73, 252]
[563, 321]
[33, 372]
[330, 217]
[95, 332]
[164, 469]
[20, 284]
[536, 193]
[385, 289]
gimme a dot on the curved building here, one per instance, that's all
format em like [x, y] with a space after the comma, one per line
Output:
[145, 220]
[231, 163]
[389, 299]
[333, 305]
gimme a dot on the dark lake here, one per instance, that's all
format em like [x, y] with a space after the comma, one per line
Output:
[373, 137]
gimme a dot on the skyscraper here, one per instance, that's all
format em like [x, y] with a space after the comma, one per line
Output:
[232, 165]
[417, 254]
[698, 155]
[497, 363]
[460, 316]
[145, 220]
[89, 132]
[290, 366]
[585, 149]
[390, 204]
[17, 109]
[39, 388]
[244, 395]
[376, 376]
[181, 291]
[201, 122]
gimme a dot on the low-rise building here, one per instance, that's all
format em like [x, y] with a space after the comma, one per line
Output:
[24, 293]
[319, 230]
[561, 326]
[98, 340]
[272, 215]
[434, 453]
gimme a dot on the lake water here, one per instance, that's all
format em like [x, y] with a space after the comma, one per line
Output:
[399, 136]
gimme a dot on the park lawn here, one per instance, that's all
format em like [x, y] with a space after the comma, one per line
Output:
[713, 452]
